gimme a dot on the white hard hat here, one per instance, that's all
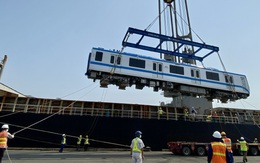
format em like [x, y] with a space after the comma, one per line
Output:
[63, 135]
[5, 126]
[242, 138]
[216, 134]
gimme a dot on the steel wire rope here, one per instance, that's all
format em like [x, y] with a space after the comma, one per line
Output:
[94, 124]
[67, 135]
[241, 133]
[232, 88]
[157, 17]
[7, 153]
[181, 15]
[6, 115]
[55, 133]
[16, 112]
[96, 117]
[50, 115]
[251, 116]
[190, 27]
[237, 127]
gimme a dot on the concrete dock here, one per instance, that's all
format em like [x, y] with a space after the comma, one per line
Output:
[43, 156]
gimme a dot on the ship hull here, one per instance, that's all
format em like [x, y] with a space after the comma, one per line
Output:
[115, 132]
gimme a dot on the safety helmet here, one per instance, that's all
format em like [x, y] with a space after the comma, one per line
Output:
[63, 135]
[223, 133]
[242, 138]
[138, 133]
[5, 126]
[86, 136]
[216, 134]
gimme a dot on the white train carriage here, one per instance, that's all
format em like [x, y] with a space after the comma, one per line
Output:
[126, 69]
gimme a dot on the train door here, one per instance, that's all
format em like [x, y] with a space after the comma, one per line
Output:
[230, 82]
[115, 60]
[157, 70]
[195, 74]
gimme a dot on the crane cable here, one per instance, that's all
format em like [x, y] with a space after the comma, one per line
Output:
[232, 88]
[118, 60]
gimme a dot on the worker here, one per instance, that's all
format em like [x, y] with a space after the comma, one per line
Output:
[137, 146]
[217, 150]
[4, 136]
[194, 112]
[215, 116]
[79, 142]
[160, 111]
[86, 143]
[243, 148]
[63, 143]
[186, 114]
[228, 143]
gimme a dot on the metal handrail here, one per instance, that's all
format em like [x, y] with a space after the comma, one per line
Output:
[31, 108]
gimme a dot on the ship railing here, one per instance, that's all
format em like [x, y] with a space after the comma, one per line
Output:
[151, 113]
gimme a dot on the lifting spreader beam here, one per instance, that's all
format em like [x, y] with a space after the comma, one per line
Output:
[163, 38]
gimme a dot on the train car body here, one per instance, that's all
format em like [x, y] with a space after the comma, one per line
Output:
[126, 69]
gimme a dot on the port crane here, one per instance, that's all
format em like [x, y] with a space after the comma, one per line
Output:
[180, 75]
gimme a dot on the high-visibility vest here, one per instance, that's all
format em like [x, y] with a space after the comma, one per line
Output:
[160, 111]
[135, 146]
[228, 143]
[79, 140]
[243, 146]
[3, 139]
[63, 141]
[219, 152]
[186, 113]
[86, 141]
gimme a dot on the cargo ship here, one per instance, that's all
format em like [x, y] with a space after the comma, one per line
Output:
[113, 124]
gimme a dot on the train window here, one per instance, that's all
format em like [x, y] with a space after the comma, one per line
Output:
[154, 66]
[197, 74]
[137, 63]
[118, 60]
[176, 70]
[212, 75]
[160, 67]
[112, 59]
[99, 56]
[192, 72]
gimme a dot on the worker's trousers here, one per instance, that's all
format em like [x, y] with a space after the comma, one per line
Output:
[136, 157]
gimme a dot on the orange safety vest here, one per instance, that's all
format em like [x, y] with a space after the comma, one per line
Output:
[3, 139]
[219, 152]
[227, 141]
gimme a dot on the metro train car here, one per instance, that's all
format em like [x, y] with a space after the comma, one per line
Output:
[175, 79]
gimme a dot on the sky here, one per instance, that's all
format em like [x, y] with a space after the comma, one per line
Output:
[47, 43]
